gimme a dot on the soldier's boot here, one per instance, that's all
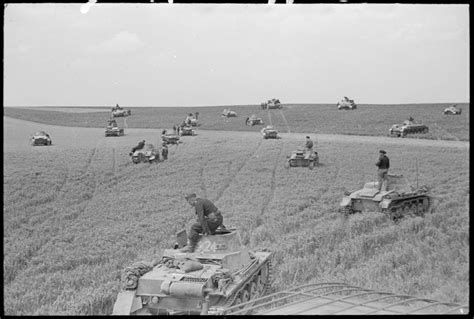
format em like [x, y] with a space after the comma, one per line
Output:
[189, 248]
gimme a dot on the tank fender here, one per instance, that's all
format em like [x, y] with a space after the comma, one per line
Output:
[127, 302]
[346, 201]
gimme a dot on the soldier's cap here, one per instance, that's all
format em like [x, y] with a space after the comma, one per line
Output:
[382, 151]
[190, 195]
[307, 136]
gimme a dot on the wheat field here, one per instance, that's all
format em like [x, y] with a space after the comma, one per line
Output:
[78, 212]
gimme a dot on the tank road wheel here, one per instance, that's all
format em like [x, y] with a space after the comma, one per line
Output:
[396, 213]
[420, 210]
[253, 290]
[406, 211]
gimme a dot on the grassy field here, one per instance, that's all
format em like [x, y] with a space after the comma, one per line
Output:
[300, 118]
[78, 212]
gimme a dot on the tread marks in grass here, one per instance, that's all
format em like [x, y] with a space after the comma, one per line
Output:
[231, 177]
[271, 194]
[269, 117]
[284, 120]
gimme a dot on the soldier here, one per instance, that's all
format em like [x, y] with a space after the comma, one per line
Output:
[209, 218]
[112, 123]
[164, 151]
[189, 118]
[383, 164]
[138, 147]
[196, 115]
[309, 144]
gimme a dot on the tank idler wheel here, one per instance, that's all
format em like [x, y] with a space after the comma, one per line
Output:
[413, 209]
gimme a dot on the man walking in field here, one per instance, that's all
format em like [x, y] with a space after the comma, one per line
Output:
[209, 218]
[383, 164]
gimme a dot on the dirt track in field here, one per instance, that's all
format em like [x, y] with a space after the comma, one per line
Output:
[17, 135]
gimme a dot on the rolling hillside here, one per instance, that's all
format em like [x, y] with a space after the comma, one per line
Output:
[78, 212]
[373, 120]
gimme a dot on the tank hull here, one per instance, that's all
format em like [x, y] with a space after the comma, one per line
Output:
[220, 273]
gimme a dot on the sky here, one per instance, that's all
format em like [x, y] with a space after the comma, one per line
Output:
[159, 54]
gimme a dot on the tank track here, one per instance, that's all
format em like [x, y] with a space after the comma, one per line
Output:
[231, 301]
[410, 207]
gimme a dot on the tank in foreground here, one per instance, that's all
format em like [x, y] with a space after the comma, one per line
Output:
[219, 274]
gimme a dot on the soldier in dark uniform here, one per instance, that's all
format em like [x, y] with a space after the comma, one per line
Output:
[383, 164]
[209, 218]
[139, 146]
[164, 151]
[309, 144]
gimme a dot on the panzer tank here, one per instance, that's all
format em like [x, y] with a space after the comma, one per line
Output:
[186, 130]
[41, 138]
[408, 127]
[170, 139]
[113, 130]
[271, 104]
[253, 120]
[228, 113]
[303, 158]
[397, 200]
[121, 112]
[220, 273]
[269, 132]
[452, 110]
[148, 154]
[346, 104]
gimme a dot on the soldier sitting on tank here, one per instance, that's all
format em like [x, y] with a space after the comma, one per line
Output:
[138, 147]
[209, 218]
[189, 118]
[112, 123]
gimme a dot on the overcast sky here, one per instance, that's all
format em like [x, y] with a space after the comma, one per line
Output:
[214, 54]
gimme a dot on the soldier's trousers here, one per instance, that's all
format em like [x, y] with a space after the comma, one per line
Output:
[382, 174]
[197, 228]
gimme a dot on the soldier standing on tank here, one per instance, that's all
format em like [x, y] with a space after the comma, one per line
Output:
[309, 144]
[164, 151]
[209, 218]
[383, 164]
